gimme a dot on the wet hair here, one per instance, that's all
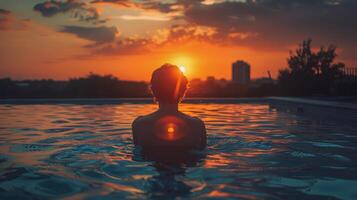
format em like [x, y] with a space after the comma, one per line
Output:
[168, 84]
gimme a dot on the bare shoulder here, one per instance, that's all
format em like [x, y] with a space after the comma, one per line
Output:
[143, 120]
[197, 122]
[200, 124]
[138, 125]
[137, 121]
[140, 120]
[200, 129]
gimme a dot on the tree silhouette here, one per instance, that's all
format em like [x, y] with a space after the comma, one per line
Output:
[310, 72]
[104, 86]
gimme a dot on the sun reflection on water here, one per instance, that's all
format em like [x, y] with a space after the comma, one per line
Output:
[89, 149]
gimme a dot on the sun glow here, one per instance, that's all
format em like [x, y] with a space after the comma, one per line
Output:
[185, 63]
[182, 69]
[171, 130]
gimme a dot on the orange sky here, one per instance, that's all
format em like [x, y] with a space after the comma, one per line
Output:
[130, 41]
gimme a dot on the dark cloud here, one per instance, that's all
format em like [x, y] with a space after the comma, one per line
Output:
[279, 22]
[4, 19]
[8, 21]
[186, 33]
[160, 6]
[53, 7]
[78, 9]
[264, 24]
[133, 46]
[259, 24]
[4, 12]
[126, 46]
[99, 35]
[126, 3]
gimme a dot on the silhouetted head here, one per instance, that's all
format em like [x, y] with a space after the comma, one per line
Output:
[168, 84]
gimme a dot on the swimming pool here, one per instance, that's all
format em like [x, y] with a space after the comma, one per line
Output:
[254, 152]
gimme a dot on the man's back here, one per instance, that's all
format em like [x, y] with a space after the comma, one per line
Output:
[169, 130]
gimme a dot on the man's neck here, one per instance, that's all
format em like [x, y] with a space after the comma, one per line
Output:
[168, 107]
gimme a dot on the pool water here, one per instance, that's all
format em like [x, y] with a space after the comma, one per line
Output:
[253, 152]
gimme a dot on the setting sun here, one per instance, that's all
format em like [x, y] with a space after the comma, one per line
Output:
[184, 62]
[183, 69]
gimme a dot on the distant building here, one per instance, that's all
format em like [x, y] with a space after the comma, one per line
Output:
[240, 72]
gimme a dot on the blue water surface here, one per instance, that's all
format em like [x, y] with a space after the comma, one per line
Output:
[254, 152]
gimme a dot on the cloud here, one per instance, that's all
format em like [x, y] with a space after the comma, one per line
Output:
[278, 22]
[136, 45]
[258, 24]
[8, 21]
[78, 9]
[262, 24]
[99, 35]
[161, 6]
[187, 33]
[5, 19]
[4, 12]
[126, 3]
[51, 8]
[144, 17]
[126, 46]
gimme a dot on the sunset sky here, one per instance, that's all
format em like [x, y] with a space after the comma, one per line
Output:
[70, 38]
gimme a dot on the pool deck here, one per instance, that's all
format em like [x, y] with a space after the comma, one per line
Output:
[316, 109]
[319, 103]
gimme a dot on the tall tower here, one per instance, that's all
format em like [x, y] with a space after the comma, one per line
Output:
[240, 72]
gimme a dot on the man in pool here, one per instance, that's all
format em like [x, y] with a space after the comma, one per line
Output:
[168, 128]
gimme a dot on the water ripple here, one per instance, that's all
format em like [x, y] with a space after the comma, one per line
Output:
[254, 152]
